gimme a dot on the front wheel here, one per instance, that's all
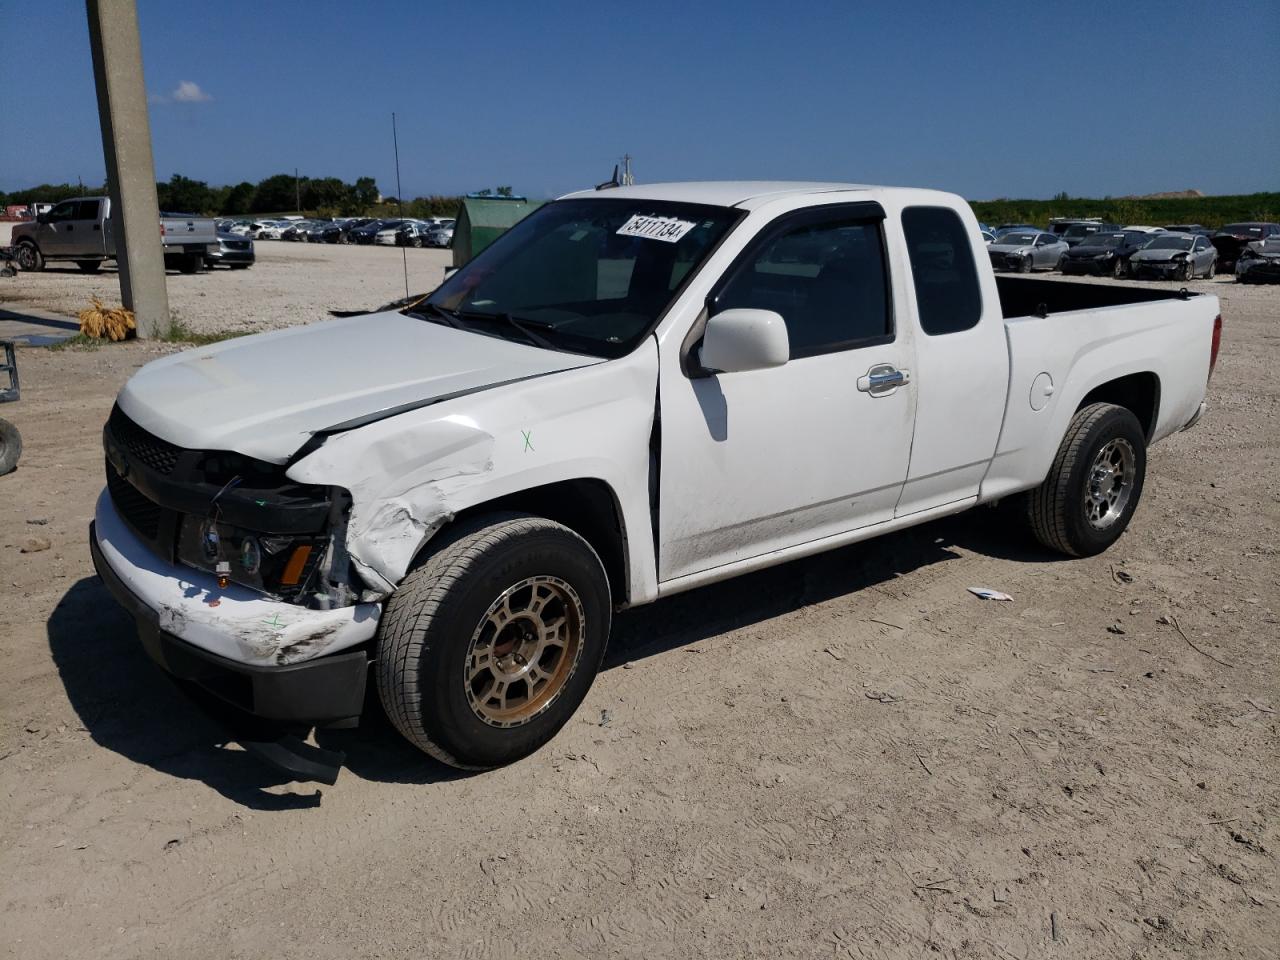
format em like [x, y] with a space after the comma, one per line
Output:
[488, 646]
[1093, 487]
[1025, 264]
[1189, 270]
[10, 447]
[29, 256]
[1117, 269]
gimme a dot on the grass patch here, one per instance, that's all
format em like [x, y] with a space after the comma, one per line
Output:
[178, 332]
[81, 341]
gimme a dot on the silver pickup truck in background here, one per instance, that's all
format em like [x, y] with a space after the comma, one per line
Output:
[81, 230]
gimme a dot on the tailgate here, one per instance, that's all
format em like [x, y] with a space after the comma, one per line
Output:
[180, 231]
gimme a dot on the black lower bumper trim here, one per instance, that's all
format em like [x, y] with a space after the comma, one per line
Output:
[326, 691]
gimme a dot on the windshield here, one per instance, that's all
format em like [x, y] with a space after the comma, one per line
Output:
[1081, 229]
[1170, 243]
[1105, 240]
[1017, 239]
[1250, 228]
[590, 276]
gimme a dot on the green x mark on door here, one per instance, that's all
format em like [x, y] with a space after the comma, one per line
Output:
[528, 441]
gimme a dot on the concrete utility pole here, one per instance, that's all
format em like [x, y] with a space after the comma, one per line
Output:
[126, 146]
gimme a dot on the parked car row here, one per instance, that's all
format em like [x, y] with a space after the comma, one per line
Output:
[1174, 252]
[401, 232]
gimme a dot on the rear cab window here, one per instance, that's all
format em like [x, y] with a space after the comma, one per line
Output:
[948, 298]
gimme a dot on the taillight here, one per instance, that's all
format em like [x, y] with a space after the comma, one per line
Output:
[1216, 345]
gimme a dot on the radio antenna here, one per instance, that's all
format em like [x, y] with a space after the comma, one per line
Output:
[404, 253]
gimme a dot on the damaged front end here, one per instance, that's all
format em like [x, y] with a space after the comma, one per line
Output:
[240, 519]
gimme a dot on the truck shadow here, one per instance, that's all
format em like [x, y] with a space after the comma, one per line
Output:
[128, 705]
[706, 612]
[131, 707]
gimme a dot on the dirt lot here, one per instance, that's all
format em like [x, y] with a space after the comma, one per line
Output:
[849, 756]
[291, 283]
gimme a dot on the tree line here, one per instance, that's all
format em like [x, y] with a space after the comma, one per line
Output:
[1212, 212]
[281, 193]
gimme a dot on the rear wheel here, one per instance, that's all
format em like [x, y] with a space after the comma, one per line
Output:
[190, 262]
[1094, 485]
[489, 646]
[28, 256]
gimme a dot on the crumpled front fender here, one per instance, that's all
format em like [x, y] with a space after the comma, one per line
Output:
[401, 482]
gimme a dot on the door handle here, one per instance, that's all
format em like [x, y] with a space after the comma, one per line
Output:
[883, 379]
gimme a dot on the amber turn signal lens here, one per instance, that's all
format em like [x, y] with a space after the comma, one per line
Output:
[293, 569]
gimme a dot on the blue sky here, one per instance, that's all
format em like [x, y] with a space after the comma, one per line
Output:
[1000, 99]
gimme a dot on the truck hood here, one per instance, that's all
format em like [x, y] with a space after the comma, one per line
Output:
[265, 395]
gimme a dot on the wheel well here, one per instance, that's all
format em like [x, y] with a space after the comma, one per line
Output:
[1138, 392]
[588, 507]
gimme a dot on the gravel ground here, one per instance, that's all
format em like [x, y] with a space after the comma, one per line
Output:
[848, 756]
[291, 283]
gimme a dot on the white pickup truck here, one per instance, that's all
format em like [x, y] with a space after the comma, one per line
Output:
[633, 392]
[80, 230]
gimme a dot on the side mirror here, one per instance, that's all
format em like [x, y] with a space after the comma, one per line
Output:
[742, 339]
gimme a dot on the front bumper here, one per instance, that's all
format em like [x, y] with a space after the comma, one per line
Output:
[269, 659]
[1169, 269]
[1097, 268]
[231, 256]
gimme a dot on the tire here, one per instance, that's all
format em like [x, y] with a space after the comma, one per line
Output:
[89, 266]
[190, 263]
[29, 256]
[1189, 270]
[450, 605]
[1061, 510]
[239, 266]
[1117, 270]
[1026, 264]
[10, 447]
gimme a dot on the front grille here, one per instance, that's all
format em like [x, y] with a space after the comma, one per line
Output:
[139, 512]
[236, 244]
[160, 455]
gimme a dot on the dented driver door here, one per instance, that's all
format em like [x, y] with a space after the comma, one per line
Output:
[758, 461]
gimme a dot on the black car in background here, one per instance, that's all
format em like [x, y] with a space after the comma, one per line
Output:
[1232, 238]
[365, 232]
[1104, 254]
[341, 232]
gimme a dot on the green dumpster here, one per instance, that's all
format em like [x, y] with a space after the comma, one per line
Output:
[482, 219]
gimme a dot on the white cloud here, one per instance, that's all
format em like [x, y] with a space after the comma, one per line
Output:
[189, 92]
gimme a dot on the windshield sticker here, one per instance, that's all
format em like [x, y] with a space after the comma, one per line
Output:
[667, 229]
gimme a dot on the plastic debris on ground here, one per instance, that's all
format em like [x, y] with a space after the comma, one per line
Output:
[986, 593]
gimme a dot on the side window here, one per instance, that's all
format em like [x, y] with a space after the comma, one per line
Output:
[942, 269]
[86, 210]
[827, 280]
[66, 210]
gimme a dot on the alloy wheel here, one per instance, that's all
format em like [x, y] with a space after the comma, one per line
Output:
[1110, 483]
[523, 651]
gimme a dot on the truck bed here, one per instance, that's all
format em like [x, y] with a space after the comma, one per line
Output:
[1032, 297]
